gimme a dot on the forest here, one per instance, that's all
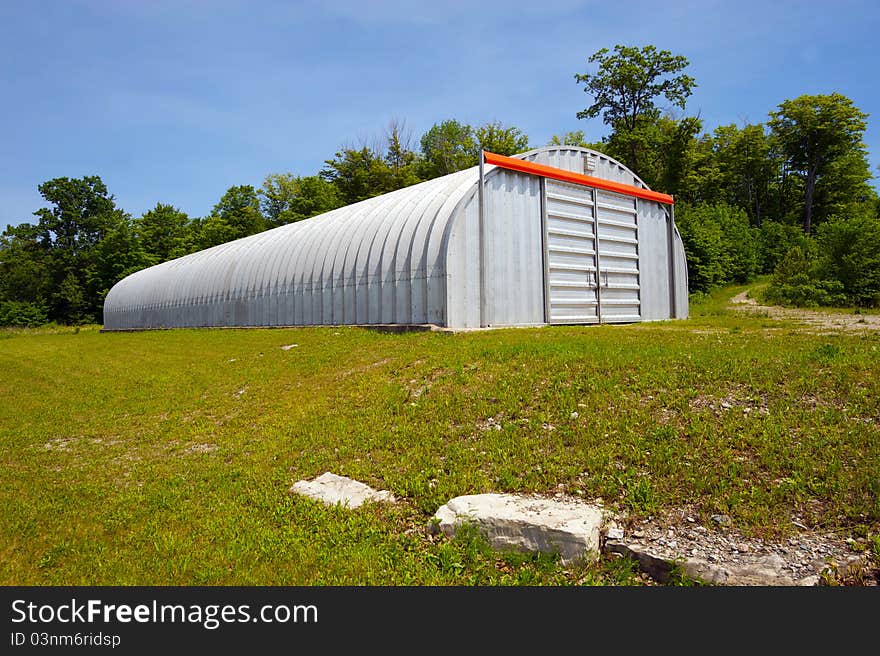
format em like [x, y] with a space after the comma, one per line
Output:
[790, 197]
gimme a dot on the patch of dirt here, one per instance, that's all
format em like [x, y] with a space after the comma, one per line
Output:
[201, 448]
[720, 405]
[808, 556]
[826, 322]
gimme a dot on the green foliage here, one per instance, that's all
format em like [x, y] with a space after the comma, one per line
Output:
[239, 208]
[57, 261]
[840, 267]
[733, 165]
[22, 314]
[357, 174]
[719, 244]
[795, 282]
[821, 136]
[164, 233]
[850, 254]
[775, 240]
[447, 147]
[496, 138]
[401, 160]
[286, 198]
[575, 138]
[625, 89]
[117, 255]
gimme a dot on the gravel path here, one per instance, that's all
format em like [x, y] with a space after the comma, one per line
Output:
[826, 322]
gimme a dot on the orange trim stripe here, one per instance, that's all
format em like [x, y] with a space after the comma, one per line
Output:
[522, 166]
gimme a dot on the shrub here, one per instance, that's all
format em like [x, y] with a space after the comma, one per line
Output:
[796, 282]
[774, 241]
[719, 244]
[850, 253]
[22, 314]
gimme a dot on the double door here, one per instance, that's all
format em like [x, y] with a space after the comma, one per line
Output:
[591, 255]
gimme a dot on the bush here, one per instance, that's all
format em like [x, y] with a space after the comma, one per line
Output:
[719, 244]
[22, 314]
[850, 253]
[775, 240]
[796, 282]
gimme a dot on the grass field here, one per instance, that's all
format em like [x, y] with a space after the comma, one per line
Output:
[166, 457]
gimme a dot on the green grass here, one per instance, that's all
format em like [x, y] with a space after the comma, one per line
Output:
[166, 457]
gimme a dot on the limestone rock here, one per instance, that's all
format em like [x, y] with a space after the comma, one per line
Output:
[332, 489]
[508, 521]
[657, 567]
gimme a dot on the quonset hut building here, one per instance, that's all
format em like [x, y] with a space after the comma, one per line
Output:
[555, 235]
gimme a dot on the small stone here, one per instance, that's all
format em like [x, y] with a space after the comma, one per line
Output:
[721, 520]
[638, 534]
[725, 405]
[691, 519]
[614, 533]
[574, 415]
[743, 548]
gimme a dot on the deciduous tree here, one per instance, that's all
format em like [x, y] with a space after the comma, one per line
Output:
[817, 134]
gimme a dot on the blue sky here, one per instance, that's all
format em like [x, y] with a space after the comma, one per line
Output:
[174, 102]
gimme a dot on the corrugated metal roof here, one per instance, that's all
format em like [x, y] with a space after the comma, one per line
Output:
[320, 268]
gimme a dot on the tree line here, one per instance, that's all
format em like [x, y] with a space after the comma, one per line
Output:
[789, 197]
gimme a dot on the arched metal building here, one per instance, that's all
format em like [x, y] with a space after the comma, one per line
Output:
[556, 235]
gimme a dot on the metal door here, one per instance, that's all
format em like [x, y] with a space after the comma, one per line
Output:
[570, 254]
[618, 233]
[591, 255]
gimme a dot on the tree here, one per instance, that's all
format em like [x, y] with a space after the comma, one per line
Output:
[286, 198]
[575, 138]
[625, 89]
[501, 140]
[446, 148]
[82, 214]
[401, 159]
[117, 255]
[357, 174]
[164, 233]
[236, 215]
[25, 277]
[720, 245]
[815, 133]
[850, 253]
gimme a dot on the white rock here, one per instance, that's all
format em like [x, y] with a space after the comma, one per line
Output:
[614, 533]
[287, 347]
[510, 521]
[332, 489]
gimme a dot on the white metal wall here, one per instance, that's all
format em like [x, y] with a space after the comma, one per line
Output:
[513, 256]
